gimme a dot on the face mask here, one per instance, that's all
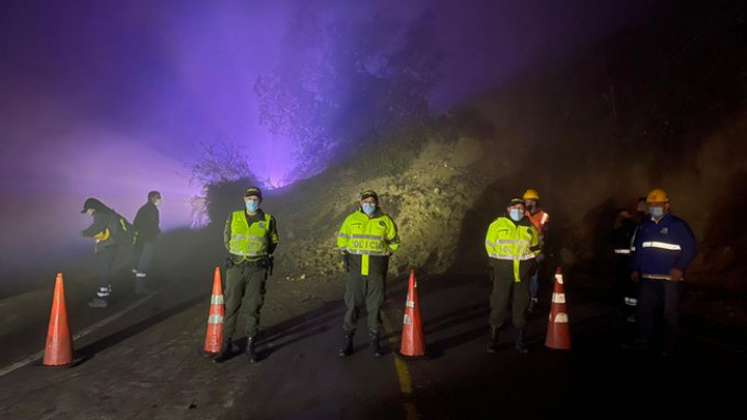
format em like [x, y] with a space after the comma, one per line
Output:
[157, 203]
[368, 208]
[252, 206]
[656, 212]
[515, 215]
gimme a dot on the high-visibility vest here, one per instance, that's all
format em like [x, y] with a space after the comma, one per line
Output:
[539, 219]
[364, 236]
[247, 240]
[507, 241]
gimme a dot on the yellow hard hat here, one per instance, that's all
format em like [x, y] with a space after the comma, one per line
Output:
[657, 196]
[531, 194]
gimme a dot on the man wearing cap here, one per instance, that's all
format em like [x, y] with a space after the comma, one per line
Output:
[250, 237]
[147, 229]
[108, 230]
[367, 238]
[540, 219]
[663, 248]
[511, 244]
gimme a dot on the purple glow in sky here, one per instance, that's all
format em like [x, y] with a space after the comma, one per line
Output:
[112, 99]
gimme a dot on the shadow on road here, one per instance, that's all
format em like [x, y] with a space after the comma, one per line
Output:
[90, 350]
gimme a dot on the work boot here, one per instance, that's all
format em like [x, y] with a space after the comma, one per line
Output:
[519, 345]
[347, 345]
[375, 348]
[227, 350]
[251, 353]
[97, 302]
[493, 340]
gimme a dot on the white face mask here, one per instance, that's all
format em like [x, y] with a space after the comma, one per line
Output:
[656, 212]
[369, 208]
[252, 206]
[515, 215]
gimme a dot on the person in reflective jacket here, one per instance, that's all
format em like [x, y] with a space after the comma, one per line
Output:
[663, 247]
[250, 237]
[624, 291]
[512, 243]
[367, 238]
[108, 231]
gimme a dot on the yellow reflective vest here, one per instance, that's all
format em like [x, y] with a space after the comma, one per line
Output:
[250, 241]
[508, 241]
[364, 236]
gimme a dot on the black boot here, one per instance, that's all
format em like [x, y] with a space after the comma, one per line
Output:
[493, 341]
[375, 348]
[520, 347]
[251, 354]
[227, 350]
[347, 345]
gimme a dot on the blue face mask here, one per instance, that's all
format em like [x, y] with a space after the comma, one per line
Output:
[252, 206]
[368, 208]
[656, 212]
[515, 215]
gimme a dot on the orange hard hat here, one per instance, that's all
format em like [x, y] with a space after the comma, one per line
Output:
[531, 194]
[657, 196]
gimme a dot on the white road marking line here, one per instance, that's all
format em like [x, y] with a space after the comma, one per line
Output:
[36, 356]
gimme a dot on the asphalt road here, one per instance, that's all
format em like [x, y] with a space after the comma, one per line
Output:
[147, 363]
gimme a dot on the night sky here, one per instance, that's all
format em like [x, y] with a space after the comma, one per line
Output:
[112, 99]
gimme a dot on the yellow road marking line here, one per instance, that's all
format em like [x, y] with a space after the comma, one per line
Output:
[403, 374]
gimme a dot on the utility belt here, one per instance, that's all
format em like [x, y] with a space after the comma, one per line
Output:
[266, 262]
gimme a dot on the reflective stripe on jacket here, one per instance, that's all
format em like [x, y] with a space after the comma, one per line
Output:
[506, 240]
[250, 241]
[365, 236]
[658, 247]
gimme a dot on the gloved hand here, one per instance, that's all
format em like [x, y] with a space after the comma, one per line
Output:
[635, 276]
[229, 263]
[676, 274]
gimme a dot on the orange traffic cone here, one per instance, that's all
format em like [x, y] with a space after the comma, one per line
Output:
[59, 348]
[214, 334]
[412, 326]
[558, 331]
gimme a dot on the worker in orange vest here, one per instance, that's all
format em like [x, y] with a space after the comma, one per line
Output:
[540, 219]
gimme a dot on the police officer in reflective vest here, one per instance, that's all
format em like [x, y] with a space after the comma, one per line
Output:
[366, 239]
[250, 237]
[511, 244]
[663, 248]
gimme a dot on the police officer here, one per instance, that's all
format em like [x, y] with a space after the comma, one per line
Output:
[250, 237]
[511, 244]
[663, 248]
[367, 239]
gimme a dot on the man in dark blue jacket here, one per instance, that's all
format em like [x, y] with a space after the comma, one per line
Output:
[663, 248]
